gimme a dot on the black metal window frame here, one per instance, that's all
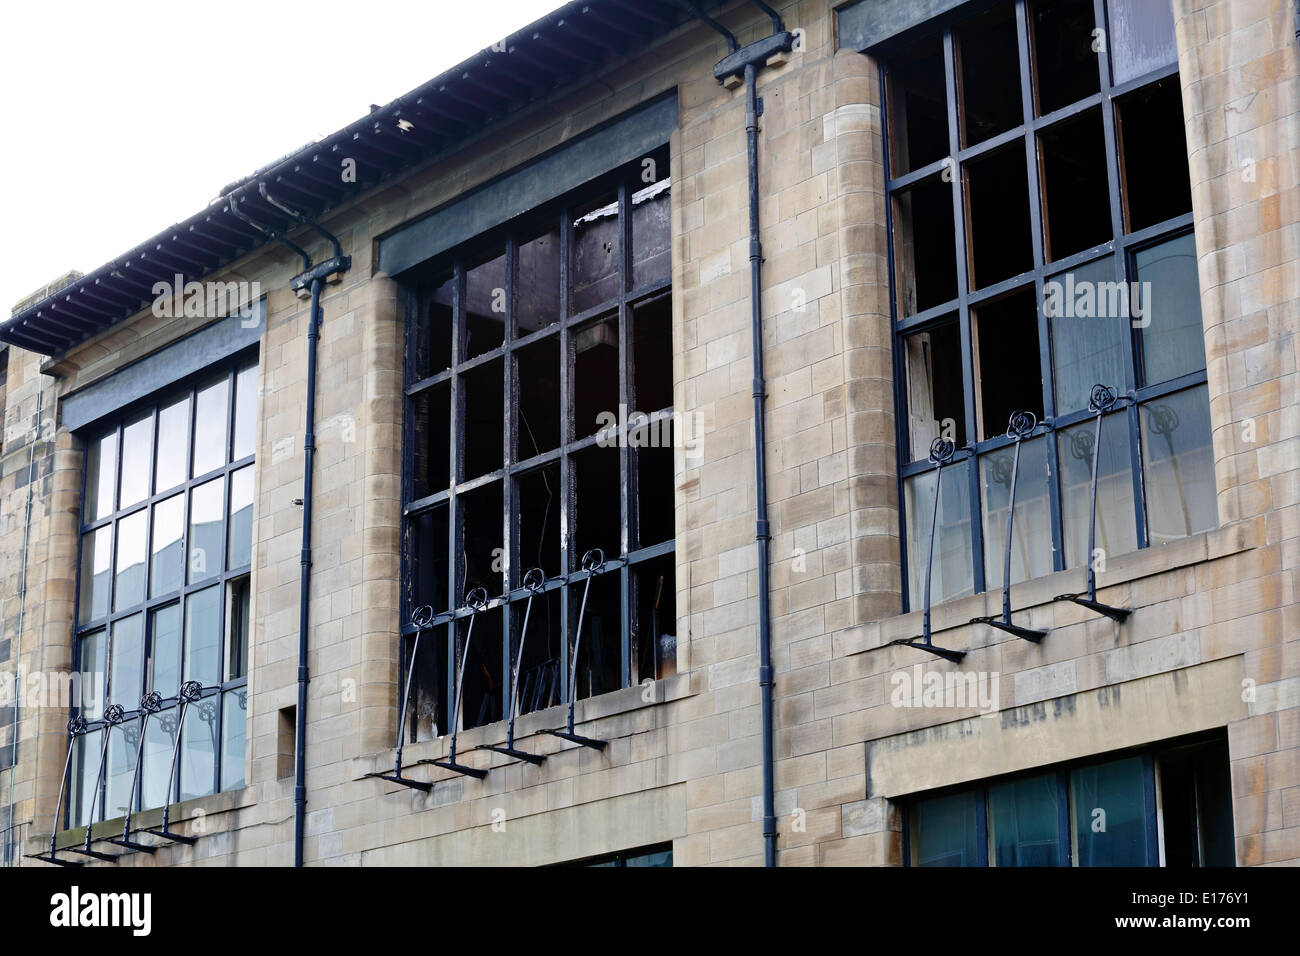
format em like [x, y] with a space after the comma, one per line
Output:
[191, 386]
[624, 182]
[1122, 246]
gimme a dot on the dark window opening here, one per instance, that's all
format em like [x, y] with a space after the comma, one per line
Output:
[654, 636]
[925, 246]
[650, 856]
[919, 107]
[596, 379]
[1001, 242]
[538, 381]
[598, 503]
[600, 660]
[482, 389]
[1007, 373]
[481, 693]
[482, 555]
[989, 60]
[540, 501]
[653, 501]
[426, 716]
[429, 557]
[1153, 155]
[936, 402]
[1196, 793]
[652, 338]
[237, 655]
[1076, 194]
[485, 307]
[1065, 53]
[286, 727]
[433, 333]
[431, 434]
[540, 672]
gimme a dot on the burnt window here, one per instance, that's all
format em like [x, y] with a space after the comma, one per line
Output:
[539, 425]
[1042, 247]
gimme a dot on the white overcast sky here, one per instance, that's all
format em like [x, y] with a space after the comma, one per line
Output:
[119, 119]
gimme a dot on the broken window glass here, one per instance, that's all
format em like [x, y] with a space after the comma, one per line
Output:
[598, 502]
[655, 623]
[481, 693]
[1008, 375]
[538, 428]
[936, 404]
[433, 332]
[431, 431]
[999, 233]
[652, 443]
[1153, 154]
[596, 385]
[482, 392]
[485, 307]
[600, 652]
[483, 557]
[925, 246]
[989, 60]
[1076, 192]
[652, 338]
[540, 501]
[1065, 45]
[918, 106]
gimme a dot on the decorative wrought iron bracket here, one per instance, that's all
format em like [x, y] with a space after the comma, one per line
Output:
[941, 453]
[113, 715]
[150, 704]
[190, 691]
[1020, 427]
[593, 562]
[76, 728]
[534, 581]
[476, 600]
[1102, 399]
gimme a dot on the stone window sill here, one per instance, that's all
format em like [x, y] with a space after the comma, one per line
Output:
[1032, 600]
[181, 813]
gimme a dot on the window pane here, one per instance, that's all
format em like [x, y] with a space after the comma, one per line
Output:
[998, 204]
[199, 749]
[484, 552]
[137, 464]
[1116, 528]
[431, 338]
[165, 651]
[1031, 541]
[1008, 369]
[206, 507]
[96, 566]
[173, 453]
[1178, 466]
[1141, 37]
[595, 377]
[427, 546]
[936, 401]
[234, 718]
[101, 476]
[947, 831]
[1088, 310]
[1024, 822]
[925, 246]
[484, 404]
[130, 566]
[85, 777]
[430, 411]
[596, 249]
[245, 412]
[92, 675]
[241, 518]
[539, 502]
[918, 130]
[952, 573]
[485, 307]
[539, 281]
[120, 774]
[1173, 340]
[1153, 154]
[203, 636]
[126, 662]
[167, 561]
[155, 784]
[599, 503]
[652, 338]
[239, 607]
[1110, 816]
[1064, 61]
[652, 259]
[657, 858]
[1076, 191]
[539, 398]
[990, 75]
[210, 414]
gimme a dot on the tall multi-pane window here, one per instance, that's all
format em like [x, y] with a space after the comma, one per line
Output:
[539, 426]
[1042, 244]
[166, 549]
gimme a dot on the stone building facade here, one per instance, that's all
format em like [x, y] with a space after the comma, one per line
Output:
[1172, 736]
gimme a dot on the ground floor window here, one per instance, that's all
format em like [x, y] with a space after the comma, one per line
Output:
[661, 855]
[1164, 806]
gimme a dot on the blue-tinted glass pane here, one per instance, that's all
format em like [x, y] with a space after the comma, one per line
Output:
[234, 720]
[167, 554]
[947, 831]
[85, 773]
[245, 412]
[199, 749]
[206, 510]
[126, 662]
[203, 636]
[166, 650]
[93, 673]
[1178, 465]
[159, 740]
[101, 477]
[952, 572]
[137, 460]
[96, 571]
[1110, 816]
[211, 410]
[173, 450]
[1173, 341]
[241, 518]
[1116, 523]
[1089, 313]
[658, 858]
[130, 565]
[121, 767]
[1024, 822]
[1031, 542]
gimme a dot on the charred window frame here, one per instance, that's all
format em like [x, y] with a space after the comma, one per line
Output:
[505, 446]
[972, 247]
[168, 487]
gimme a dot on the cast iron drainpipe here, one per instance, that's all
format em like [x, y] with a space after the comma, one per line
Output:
[746, 61]
[313, 277]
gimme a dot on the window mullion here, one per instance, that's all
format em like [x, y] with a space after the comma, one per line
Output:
[626, 497]
[566, 435]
